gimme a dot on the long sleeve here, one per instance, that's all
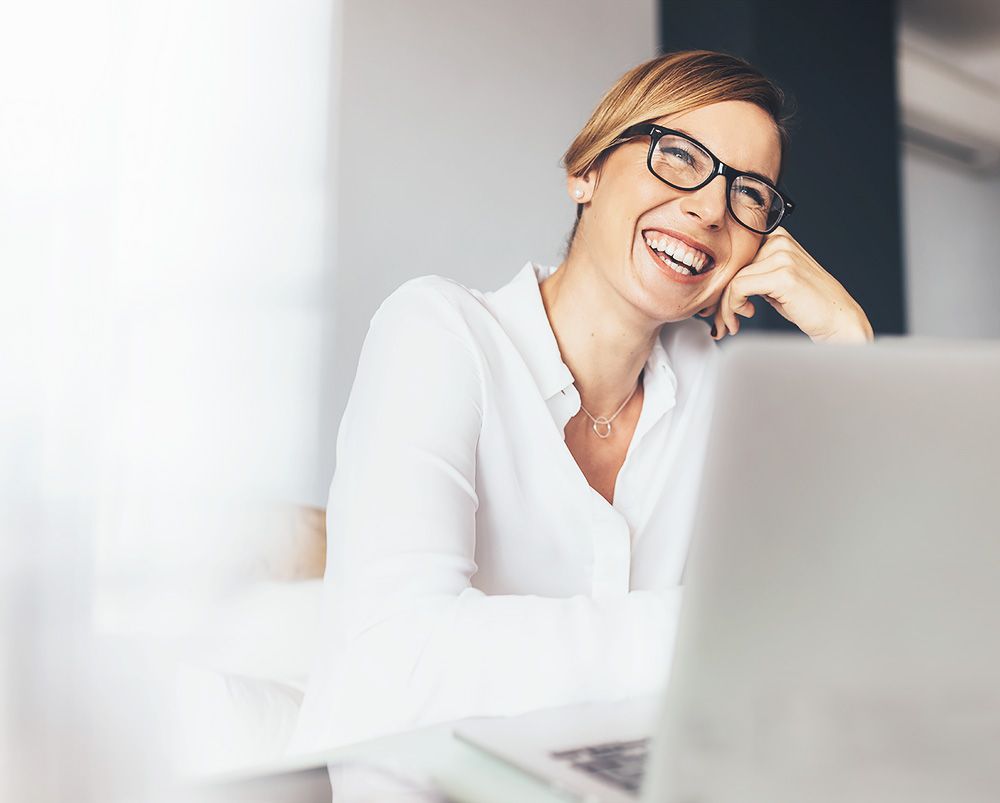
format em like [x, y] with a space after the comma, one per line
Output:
[408, 639]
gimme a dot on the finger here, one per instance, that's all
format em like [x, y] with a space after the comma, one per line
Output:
[718, 324]
[777, 308]
[763, 264]
[728, 316]
[726, 322]
[725, 303]
[785, 232]
[772, 283]
[745, 309]
[777, 241]
[781, 233]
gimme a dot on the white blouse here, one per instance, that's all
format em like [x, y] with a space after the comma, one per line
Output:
[471, 568]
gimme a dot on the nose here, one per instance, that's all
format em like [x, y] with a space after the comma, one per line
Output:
[707, 204]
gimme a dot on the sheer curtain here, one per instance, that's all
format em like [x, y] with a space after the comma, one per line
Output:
[166, 214]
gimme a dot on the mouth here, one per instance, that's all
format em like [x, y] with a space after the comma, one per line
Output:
[676, 258]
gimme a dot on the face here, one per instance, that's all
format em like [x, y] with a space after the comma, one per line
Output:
[626, 204]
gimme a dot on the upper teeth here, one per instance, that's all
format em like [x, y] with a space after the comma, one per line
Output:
[679, 251]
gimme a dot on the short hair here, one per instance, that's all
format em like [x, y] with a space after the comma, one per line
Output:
[667, 85]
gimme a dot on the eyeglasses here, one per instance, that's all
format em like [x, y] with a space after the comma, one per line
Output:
[685, 164]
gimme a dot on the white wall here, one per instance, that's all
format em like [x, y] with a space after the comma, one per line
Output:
[951, 223]
[453, 119]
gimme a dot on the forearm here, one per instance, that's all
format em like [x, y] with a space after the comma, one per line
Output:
[412, 662]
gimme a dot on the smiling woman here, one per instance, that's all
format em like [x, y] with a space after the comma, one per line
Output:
[517, 469]
[685, 119]
[709, 224]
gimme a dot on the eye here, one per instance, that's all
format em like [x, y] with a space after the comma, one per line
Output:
[752, 195]
[678, 153]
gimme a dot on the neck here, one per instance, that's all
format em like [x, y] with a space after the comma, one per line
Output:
[603, 339]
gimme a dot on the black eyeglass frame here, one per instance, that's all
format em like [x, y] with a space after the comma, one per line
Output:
[719, 168]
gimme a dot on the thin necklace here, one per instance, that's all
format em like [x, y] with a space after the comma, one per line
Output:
[602, 421]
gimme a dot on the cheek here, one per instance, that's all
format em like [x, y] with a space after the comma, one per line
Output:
[743, 254]
[609, 219]
[745, 249]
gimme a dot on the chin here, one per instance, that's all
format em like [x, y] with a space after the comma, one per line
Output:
[661, 308]
[667, 301]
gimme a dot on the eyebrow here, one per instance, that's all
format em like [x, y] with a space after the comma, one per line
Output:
[752, 173]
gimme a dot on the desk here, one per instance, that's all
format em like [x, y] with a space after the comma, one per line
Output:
[460, 771]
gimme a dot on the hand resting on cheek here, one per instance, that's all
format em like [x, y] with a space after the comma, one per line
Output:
[788, 278]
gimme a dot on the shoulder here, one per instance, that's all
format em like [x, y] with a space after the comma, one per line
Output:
[430, 318]
[434, 306]
[435, 289]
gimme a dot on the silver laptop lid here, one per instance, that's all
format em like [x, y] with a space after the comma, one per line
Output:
[840, 636]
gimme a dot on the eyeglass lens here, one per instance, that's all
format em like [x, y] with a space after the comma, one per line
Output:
[683, 164]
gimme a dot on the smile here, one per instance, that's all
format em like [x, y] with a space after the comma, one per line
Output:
[679, 262]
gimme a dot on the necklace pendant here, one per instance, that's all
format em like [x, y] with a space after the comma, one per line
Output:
[601, 421]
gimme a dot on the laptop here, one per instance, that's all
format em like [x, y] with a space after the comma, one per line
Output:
[840, 632]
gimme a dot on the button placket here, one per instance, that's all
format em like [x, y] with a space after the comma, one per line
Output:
[612, 544]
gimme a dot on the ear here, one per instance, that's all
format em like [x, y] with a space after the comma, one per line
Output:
[581, 188]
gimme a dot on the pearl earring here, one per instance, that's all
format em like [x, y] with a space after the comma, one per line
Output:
[578, 193]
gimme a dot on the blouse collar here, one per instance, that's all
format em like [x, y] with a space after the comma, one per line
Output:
[519, 309]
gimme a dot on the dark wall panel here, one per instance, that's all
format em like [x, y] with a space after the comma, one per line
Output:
[837, 64]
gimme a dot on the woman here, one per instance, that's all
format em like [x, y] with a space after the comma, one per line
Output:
[516, 470]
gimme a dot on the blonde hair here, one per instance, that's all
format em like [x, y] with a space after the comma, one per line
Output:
[671, 84]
